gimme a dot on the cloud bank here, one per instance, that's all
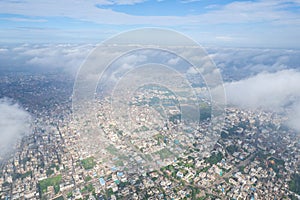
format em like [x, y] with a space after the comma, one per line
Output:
[240, 63]
[235, 63]
[14, 124]
[63, 57]
[278, 91]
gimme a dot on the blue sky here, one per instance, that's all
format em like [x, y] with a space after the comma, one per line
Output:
[261, 23]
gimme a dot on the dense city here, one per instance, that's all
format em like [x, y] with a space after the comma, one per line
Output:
[256, 156]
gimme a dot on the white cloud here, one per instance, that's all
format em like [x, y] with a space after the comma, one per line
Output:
[266, 90]
[294, 117]
[278, 92]
[189, 1]
[3, 50]
[14, 123]
[174, 61]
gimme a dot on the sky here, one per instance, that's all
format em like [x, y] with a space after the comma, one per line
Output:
[260, 23]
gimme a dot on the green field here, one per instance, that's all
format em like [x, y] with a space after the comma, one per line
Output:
[164, 153]
[112, 150]
[214, 158]
[54, 181]
[88, 163]
[294, 184]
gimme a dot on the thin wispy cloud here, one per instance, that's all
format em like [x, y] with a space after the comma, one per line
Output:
[19, 19]
[126, 2]
[189, 1]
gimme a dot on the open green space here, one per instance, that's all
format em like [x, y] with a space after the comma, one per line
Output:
[88, 163]
[53, 181]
